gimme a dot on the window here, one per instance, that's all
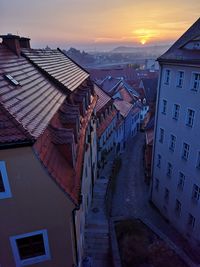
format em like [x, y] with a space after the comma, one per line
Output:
[157, 184]
[166, 196]
[186, 149]
[195, 81]
[172, 142]
[191, 220]
[198, 160]
[180, 79]
[176, 111]
[12, 80]
[30, 248]
[190, 117]
[169, 169]
[164, 106]
[181, 181]
[167, 76]
[161, 135]
[196, 193]
[158, 160]
[178, 207]
[4, 183]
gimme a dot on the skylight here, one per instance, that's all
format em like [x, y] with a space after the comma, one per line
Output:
[11, 79]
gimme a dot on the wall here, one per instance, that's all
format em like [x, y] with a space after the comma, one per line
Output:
[36, 203]
[186, 98]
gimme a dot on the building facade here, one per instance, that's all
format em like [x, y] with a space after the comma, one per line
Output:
[176, 153]
[48, 158]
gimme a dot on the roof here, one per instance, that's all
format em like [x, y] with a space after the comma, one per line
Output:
[150, 88]
[57, 65]
[123, 107]
[130, 89]
[149, 136]
[103, 98]
[32, 102]
[150, 124]
[110, 84]
[126, 72]
[106, 122]
[178, 53]
[68, 178]
[125, 95]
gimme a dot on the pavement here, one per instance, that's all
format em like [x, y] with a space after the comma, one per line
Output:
[97, 242]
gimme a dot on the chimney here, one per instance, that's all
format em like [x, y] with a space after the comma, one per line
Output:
[24, 42]
[12, 42]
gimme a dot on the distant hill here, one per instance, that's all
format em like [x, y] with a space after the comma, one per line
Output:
[156, 49]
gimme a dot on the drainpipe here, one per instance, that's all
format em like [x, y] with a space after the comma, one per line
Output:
[155, 129]
[74, 231]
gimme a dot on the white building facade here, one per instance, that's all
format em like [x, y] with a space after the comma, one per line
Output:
[176, 153]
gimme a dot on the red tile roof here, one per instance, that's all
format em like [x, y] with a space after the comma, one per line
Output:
[103, 98]
[106, 122]
[34, 101]
[126, 96]
[12, 131]
[57, 65]
[67, 176]
[123, 107]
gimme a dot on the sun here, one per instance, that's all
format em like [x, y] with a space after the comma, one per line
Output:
[143, 41]
[144, 35]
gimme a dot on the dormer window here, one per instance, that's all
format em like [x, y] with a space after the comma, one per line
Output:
[12, 80]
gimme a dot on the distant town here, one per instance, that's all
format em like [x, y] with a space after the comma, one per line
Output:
[100, 156]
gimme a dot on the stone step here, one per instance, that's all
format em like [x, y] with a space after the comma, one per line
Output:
[98, 254]
[97, 227]
[97, 247]
[97, 243]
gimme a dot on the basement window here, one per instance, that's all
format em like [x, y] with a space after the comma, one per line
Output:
[30, 248]
[12, 80]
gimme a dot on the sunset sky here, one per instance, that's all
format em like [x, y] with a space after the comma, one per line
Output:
[97, 24]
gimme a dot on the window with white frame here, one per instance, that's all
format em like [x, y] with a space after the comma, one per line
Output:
[161, 135]
[169, 169]
[198, 160]
[178, 207]
[195, 81]
[30, 248]
[172, 142]
[185, 152]
[159, 161]
[5, 191]
[176, 111]
[166, 195]
[181, 181]
[167, 76]
[180, 79]
[190, 117]
[196, 193]
[157, 185]
[164, 106]
[191, 221]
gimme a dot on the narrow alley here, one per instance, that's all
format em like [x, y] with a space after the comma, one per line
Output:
[130, 200]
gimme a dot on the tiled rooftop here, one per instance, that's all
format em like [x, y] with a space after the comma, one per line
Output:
[178, 53]
[34, 100]
[58, 66]
[103, 98]
[123, 107]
